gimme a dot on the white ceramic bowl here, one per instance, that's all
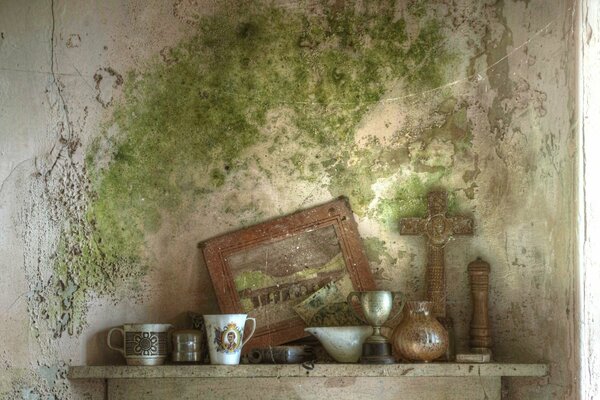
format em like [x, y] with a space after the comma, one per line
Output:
[343, 343]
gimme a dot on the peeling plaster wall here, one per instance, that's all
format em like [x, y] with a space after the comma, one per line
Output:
[129, 131]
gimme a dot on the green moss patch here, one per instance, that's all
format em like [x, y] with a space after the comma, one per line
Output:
[186, 126]
[376, 251]
[408, 198]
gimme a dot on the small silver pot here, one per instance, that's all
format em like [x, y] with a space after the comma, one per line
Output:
[188, 346]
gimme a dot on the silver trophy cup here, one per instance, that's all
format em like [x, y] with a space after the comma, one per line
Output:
[376, 307]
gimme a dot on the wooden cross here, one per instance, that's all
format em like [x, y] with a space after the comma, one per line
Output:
[438, 228]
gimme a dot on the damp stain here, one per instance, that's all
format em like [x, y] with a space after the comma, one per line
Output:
[376, 251]
[408, 198]
[204, 104]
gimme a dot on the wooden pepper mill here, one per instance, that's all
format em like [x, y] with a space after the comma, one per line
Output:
[480, 340]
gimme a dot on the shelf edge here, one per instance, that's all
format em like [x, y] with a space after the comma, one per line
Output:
[319, 371]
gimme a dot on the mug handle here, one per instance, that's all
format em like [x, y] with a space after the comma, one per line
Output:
[350, 300]
[119, 349]
[402, 297]
[251, 332]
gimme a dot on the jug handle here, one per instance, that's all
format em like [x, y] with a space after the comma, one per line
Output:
[119, 349]
[350, 301]
[251, 332]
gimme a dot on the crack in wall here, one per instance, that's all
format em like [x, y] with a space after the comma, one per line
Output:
[67, 143]
[12, 171]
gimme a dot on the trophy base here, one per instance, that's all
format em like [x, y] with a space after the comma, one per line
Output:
[377, 353]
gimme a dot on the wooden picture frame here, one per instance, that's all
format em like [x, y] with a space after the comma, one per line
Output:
[295, 255]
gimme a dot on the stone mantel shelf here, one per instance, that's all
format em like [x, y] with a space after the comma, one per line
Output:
[320, 370]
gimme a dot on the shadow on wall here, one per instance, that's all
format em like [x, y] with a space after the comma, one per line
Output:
[98, 353]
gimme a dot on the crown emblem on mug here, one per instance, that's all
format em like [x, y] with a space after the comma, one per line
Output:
[228, 338]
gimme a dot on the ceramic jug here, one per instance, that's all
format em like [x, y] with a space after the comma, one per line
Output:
[143, 344]
[419, 336]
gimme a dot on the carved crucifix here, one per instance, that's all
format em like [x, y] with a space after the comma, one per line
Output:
[438, 228]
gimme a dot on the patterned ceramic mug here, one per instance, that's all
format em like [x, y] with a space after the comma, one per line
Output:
[143, 344]
[225, 333]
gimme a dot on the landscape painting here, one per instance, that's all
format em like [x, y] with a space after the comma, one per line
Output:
[289, 270]
[274, 277]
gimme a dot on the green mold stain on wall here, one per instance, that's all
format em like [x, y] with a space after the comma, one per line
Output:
[187, 125]
[376, 251]
[409, 199]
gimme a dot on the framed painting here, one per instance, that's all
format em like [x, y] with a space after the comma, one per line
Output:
[268, 269]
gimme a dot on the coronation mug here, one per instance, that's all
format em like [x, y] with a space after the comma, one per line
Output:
[225, 334]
